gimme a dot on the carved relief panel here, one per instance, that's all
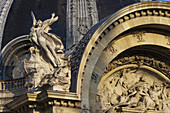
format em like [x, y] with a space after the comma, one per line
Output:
[133, 88]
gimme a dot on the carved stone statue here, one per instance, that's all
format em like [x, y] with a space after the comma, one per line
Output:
[47, 64]
[48, 42]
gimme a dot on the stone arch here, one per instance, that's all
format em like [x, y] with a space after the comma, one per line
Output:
[12, 54]
[6, 5]
[110, 30]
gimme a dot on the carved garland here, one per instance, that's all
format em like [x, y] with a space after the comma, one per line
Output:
[140, 60]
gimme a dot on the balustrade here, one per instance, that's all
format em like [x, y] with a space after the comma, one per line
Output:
[12, 84]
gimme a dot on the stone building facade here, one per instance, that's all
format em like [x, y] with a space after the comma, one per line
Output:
[116, 56]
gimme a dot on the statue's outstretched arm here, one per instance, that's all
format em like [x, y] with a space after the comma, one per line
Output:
[48, 22]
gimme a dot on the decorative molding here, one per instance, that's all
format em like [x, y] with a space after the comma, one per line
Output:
[110, 26]
[45, 99]
[139, 35]
[79, 52]
[140, 60]
[111, 49]
[63, 103]
[83, 29]
[142, 12]
[168, 40]
[81, 16]
[4, 9]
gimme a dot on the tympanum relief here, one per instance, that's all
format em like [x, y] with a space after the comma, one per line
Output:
[130, 84]
[133, 90]
[47, 64]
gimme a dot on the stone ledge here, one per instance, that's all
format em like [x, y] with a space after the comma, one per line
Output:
[42, 100]
[58, 95]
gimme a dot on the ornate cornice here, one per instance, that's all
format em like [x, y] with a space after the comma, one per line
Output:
[43, 100]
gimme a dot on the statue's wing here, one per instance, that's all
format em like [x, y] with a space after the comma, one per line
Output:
[33, 18]
[56, 39]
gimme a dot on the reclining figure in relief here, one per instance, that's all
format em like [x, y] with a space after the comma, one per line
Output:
[47, 65]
